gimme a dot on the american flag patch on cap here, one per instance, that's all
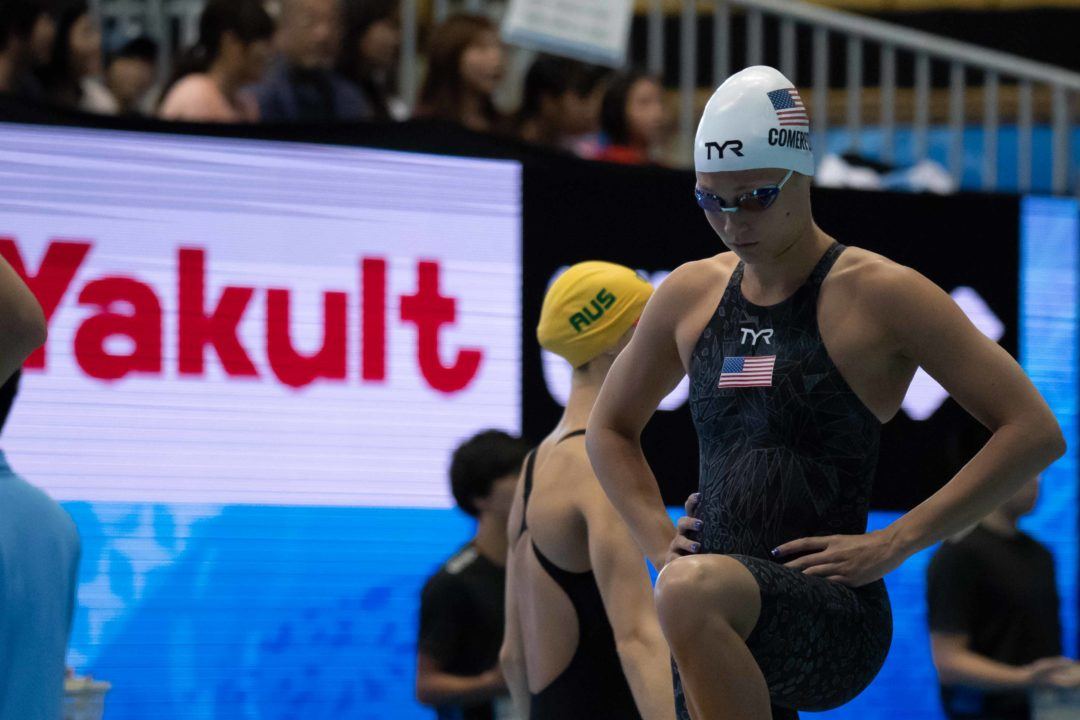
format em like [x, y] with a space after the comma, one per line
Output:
[789, 107]
[743, 371]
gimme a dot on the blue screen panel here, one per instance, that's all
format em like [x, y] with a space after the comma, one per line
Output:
[246, 612]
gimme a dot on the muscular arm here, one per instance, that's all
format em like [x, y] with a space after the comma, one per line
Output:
[928, 328]
[436, 687]
[643, 374]
[22, 323]
[932, 330]
[512, 654]
[624, 585]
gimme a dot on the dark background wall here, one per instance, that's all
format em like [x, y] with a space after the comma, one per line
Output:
[646, 219]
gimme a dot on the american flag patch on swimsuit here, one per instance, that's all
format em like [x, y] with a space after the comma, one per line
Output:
[740, 371]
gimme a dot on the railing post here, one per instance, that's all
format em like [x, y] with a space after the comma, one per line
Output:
[721, 42]
[854, 90]
[922, 106]
[155, 23]
[990, 132]
[407, 78]
[1023, 138]
[788, 54]
[755, 37]
[956, 121]
[821, 90]
[656, 38]
[687, 73]
[1061, 141]
[888, 103]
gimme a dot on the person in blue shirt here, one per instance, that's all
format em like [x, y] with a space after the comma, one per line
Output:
[39, 546]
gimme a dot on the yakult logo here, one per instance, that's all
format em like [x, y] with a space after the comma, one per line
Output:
[129, 308]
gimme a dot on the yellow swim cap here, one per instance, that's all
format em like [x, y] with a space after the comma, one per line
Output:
[588, 308]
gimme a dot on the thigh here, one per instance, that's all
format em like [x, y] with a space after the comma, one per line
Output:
[818, 643]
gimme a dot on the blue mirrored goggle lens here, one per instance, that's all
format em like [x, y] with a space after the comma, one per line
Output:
[755, 201]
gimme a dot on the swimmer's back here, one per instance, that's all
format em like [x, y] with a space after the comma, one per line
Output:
[573, 665]
[562, 485]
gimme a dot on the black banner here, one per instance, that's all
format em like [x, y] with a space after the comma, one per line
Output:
[647, 219]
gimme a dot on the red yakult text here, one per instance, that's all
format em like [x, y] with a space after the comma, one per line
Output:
[127, 307]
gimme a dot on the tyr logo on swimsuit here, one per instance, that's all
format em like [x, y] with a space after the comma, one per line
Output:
[755, 335]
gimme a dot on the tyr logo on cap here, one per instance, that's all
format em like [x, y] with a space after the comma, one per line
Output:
[734, 145]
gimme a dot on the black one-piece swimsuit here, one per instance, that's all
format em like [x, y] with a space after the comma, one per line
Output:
[593, 686]
[787, 450]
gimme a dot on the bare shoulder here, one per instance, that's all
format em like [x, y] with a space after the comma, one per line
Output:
[874, 280]
[570, 489]
[679, 309]
[698, 275]
[564, 461]
[196, 97]
[691, 284]
[195, 85]
[568, 465]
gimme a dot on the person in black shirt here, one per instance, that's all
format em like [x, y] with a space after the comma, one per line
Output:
[993, 612]
[18, 19]
[369, 55]
[461, 606]
[301, 85]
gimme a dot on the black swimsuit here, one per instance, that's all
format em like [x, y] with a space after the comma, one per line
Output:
[593, 684]
[787, 450]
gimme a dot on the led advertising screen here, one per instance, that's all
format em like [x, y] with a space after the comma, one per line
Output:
[243, 322]
[260, 357]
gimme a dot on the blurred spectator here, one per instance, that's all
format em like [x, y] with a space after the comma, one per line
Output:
[76, 63]
[18, 19]
[465, 65]
[461, 607]
[560, 102]
[44, 34]
[632, 119]
[369, 54]
[30, 83]
[233, 52]
[302, 85]
[993, 610]
[131, 74]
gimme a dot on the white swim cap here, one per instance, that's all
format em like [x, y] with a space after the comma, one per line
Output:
[755, 120]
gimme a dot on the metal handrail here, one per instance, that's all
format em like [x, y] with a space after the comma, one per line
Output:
[856, 31]
[917, 41]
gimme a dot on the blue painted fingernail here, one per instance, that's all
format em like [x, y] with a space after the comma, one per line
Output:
[698, 524]
[775, 552]
[695, 547]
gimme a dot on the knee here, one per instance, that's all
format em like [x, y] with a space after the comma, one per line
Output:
[695, 590]
[679, 587]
